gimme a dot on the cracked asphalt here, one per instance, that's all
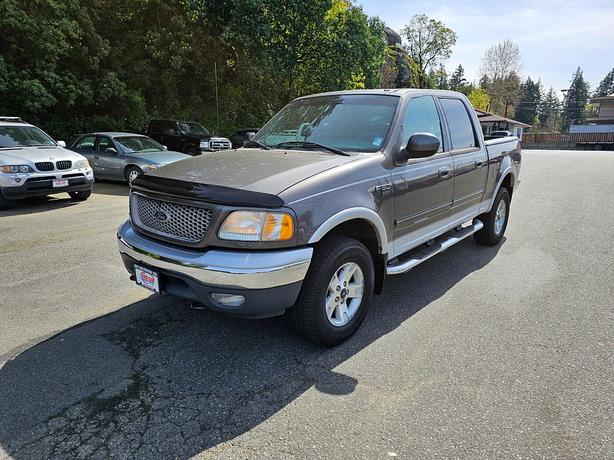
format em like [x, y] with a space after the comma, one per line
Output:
[478, 353]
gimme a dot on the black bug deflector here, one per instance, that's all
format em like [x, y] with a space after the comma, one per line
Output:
[217, 194]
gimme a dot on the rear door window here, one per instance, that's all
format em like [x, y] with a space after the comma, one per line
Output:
[459, 124]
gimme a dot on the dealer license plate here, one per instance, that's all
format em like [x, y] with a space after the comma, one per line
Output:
[60, 183]
[147, 278]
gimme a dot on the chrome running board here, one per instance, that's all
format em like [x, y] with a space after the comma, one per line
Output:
[439, 245]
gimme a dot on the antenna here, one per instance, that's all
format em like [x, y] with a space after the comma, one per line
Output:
[217, 98]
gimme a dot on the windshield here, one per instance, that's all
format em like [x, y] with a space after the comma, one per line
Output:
[138, 144]
[355, 122]
[192, 128]
[23, 136]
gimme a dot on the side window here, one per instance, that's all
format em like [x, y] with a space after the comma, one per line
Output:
[86, 143]
[421, 116]
[155, 127]
[105, 143]
[459, 124]
[170, 128]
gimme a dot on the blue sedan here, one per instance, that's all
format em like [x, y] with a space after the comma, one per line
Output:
[123, 156]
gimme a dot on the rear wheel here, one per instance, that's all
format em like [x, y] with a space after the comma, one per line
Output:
[336, 292]
[132, 173]
[80, 196]
[495, 221]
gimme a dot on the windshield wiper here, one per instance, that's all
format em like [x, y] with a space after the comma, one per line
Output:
[309, 144]
[254, 143]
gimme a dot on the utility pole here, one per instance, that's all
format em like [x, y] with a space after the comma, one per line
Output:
[507, 102]
[217, 98]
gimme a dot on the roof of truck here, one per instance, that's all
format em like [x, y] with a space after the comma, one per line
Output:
[387, 92]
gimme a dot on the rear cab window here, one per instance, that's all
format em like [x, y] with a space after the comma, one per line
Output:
[460, 126]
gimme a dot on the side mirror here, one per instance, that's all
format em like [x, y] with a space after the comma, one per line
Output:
[165, 147]
[421, 145]
[62, 144]
[110, 150]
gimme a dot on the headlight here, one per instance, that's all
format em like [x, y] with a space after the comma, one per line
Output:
[81, 164]
[14, 169]
[257, 226]
[152, 166]
[204, 145]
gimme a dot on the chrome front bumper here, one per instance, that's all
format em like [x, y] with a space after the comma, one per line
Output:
[219, 268]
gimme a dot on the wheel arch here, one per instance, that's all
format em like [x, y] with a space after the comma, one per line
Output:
[363, 225]
[508, 180]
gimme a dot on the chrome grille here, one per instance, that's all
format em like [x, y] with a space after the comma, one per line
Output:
[66, 164]
[44, 166]
[218, 143]
[172, 220]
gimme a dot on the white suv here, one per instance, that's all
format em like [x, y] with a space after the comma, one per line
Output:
[33, 164]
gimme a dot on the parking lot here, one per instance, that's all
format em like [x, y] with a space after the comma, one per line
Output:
[479, 352]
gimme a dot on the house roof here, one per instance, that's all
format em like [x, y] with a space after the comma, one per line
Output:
[598, 99]
[487, 117]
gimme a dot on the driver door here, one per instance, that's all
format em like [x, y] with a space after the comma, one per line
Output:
[107, 158]
[423, 187]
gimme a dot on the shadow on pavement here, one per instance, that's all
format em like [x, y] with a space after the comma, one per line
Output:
[170, 382]
[39, 204]
[111, 188]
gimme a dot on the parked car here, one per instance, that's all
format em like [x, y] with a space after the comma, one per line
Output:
[123, 156]
[33, 164]
[242, 136]
[186, 136]
[336, 192]
[497, 134]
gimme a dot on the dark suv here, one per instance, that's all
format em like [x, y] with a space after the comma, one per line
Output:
[186, 136]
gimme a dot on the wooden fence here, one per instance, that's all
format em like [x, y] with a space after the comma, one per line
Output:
[569, 141]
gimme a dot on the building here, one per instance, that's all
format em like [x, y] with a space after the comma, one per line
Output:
[605, 114]
[491, 122]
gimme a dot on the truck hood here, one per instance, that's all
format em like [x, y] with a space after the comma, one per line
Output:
[36, 154]
[254, 170]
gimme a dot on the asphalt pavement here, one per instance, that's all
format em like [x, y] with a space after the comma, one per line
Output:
[478, 353]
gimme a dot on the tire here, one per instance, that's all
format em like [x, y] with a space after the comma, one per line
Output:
[494, 228]
[131, 173]
[191, 151]
[4, 204]
[80, 196]
[309, 315]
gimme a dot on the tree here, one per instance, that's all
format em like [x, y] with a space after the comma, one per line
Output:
[606, 87]
[479, 99]
[549, 111]
[457, 79]
[429, 42]
[529, 100]
[574, 105]
[501, 66]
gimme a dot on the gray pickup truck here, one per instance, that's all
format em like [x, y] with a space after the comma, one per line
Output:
[336, 192]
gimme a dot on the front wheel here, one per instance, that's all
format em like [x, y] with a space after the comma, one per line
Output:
[495, 221]
[336, 292]
[132, 173]
[80, 196]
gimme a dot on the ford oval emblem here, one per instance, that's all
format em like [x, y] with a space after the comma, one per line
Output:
[161, 216]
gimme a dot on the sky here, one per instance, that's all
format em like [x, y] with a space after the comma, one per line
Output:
[555, 37]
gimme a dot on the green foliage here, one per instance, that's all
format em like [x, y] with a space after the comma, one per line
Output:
[529, 101]
[457, 79]
[75, 66]
[428, 43]
[479, 99]
[549, 111]
[606, 86]
[574, 106]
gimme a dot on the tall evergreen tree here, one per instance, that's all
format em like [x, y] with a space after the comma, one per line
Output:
[606, 87]
[549, 111]
[530, 97]
[574, 106]
[457, 79]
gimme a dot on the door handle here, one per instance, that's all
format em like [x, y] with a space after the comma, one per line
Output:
[444, 172]
[479, 163]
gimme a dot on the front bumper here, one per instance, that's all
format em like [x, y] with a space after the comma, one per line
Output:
[19, 186]
[270, 281]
